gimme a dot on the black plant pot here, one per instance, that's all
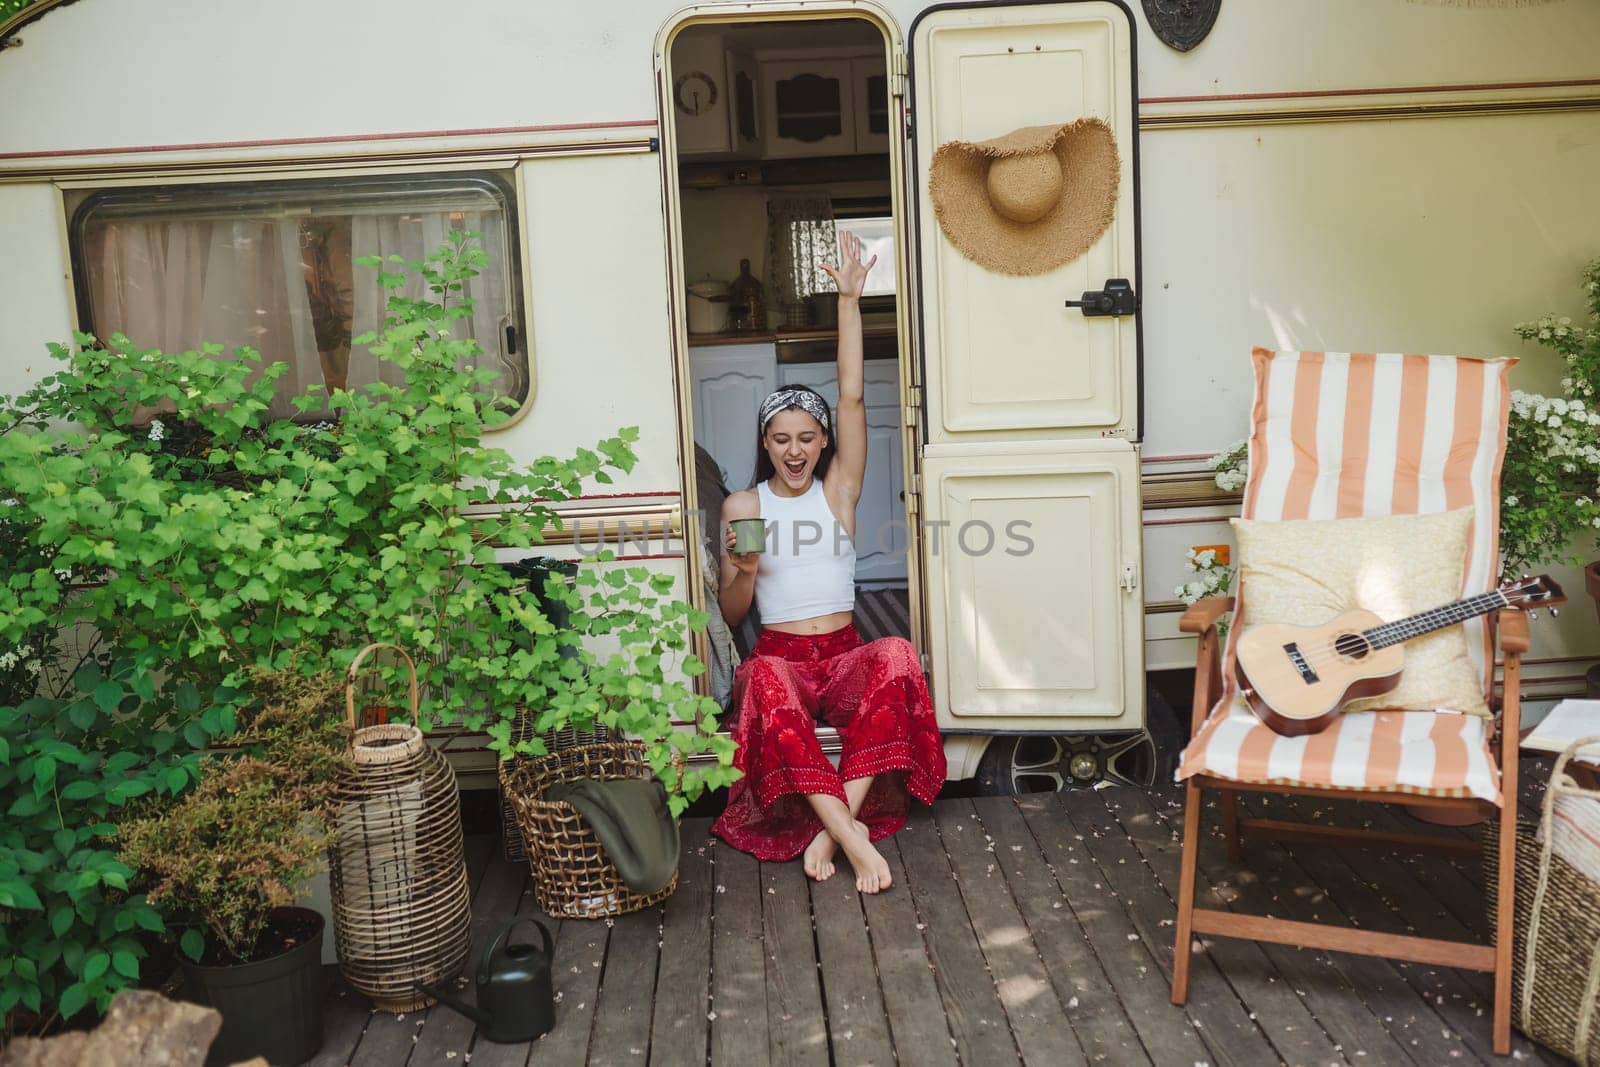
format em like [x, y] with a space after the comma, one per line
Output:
[270, 1008]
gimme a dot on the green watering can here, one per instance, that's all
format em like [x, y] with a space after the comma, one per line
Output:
[515, 1000]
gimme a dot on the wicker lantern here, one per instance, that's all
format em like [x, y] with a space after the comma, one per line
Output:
[397, 865]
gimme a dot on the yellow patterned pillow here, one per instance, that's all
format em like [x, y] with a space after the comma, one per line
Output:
[1305, 572]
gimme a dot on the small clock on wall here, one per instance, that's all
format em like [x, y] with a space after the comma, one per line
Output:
[694, 92]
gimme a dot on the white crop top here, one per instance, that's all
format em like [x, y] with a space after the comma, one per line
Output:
[809, 566]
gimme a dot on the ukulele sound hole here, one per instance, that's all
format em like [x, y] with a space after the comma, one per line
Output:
[1352, 646]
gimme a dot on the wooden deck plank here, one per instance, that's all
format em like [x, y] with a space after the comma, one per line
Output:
[738, 960]
[797, 1028]
[973, 1012]
[498, 892]
[1168, 1034]
[624, 1006]
[1407, 896]
[1339, 989]
[344, 1017]
[1019, 975]
[680, 1030]
[1092, 1009]
[858, 1022]
[1280, 1013]
[905, 971]
[580, 955]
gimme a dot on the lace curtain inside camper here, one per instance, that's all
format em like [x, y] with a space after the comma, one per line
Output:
[800, 235]
[273, 268]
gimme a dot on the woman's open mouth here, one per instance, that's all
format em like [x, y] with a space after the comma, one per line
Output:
[796, 470]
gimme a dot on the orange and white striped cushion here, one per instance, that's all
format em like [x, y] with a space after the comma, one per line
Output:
[1336, 435]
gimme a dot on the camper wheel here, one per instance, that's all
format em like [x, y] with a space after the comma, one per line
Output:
[1046, 763]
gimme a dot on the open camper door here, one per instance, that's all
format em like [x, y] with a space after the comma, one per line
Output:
[1029, 477]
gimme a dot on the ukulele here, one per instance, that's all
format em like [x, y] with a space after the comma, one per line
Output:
[1296, 678]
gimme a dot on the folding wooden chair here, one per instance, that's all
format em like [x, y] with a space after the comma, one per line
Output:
[1337, 435]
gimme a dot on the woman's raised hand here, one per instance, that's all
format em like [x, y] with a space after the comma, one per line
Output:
[851, 277]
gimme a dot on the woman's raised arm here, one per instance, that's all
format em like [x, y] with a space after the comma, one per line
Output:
[849, 467]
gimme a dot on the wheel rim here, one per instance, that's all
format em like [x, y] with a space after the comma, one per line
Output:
[1047, 764]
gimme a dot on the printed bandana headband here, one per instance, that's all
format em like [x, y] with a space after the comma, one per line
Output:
[787, 398]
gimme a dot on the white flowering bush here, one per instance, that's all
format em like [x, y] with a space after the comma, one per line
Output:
[1550, 483]
[1212, 577]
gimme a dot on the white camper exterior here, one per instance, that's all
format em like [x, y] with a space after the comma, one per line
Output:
[1370, 174]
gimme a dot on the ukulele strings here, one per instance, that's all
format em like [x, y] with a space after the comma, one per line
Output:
[1415, 626]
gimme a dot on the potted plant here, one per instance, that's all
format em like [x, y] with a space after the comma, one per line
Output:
[224, 862]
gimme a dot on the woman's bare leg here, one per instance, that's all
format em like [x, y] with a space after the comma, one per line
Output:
[872, 871]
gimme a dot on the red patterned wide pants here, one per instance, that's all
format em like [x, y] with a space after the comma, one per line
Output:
[877, 699]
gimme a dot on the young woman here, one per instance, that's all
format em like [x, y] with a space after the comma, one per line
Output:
[809, 662]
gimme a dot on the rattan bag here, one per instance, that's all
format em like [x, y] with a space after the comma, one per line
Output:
[1556, 979]
[572, 875]
[397, 866]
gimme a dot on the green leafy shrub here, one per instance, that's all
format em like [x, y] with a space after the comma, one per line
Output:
[165, 512]
[70, 932]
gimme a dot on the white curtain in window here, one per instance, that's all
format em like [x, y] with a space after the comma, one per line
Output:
[412, 236]
[174, 285]
[800, 236]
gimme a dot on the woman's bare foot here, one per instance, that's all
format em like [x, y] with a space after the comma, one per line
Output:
[819, 854]
[872, 870]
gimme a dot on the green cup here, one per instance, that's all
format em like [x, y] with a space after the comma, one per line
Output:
[749, 535]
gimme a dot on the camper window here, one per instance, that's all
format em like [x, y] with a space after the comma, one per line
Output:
[271, 265]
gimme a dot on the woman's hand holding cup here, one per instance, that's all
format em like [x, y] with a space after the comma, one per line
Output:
[746, 540]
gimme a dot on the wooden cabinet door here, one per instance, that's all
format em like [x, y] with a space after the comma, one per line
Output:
[809, 107]
[744, 104]
[872, 111]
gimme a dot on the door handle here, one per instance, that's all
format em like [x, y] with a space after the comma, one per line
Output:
[1117, 298]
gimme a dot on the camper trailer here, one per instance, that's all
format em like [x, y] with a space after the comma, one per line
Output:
[654, 182]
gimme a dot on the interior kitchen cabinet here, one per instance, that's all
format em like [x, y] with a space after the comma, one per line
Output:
[808, 106]
[870, 80]
[729, 383]
[700, 96]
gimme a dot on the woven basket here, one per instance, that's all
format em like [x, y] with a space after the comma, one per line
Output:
[1556, 950]
[511, 846]
[572, 876]
[397, 866]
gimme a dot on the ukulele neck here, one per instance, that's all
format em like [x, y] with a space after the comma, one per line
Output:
[1393, 633]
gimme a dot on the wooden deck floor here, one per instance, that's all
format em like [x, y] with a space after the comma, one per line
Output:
[1034, 930]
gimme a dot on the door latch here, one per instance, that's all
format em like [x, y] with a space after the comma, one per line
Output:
[1117, 298]
[1130, 578]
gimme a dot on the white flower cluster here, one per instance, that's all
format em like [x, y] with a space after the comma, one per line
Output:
[22, 654]
[1231, 466]
[158, 430]
[1214, 578]
[1570, 424]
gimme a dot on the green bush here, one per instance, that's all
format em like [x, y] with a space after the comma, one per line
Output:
[70, 933]
[163, 511]
[255, 828]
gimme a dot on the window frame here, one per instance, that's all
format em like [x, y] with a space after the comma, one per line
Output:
[502, 180]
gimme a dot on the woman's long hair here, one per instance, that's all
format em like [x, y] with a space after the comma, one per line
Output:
[764, 467]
